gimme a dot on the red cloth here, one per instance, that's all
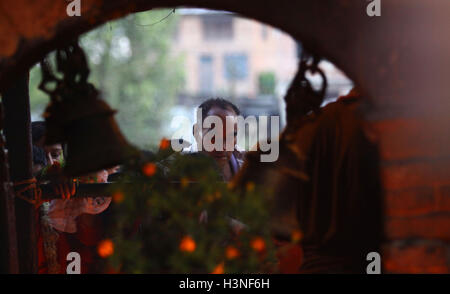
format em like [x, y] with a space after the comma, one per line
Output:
[84, 241]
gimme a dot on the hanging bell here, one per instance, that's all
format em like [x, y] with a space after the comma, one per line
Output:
[301, 97]
[94, 142]
[78, 117]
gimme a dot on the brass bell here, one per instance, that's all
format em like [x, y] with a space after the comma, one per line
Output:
[94, 142]
[78, 117]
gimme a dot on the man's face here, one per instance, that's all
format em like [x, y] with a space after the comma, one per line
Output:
[231, 132]
[54, 153]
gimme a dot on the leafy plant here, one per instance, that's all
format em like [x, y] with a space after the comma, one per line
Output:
[158, 227]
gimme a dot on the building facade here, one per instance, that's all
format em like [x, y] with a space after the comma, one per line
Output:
[227, 55]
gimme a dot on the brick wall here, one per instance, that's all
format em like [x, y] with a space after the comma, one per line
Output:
[407, 60]
[416, 180]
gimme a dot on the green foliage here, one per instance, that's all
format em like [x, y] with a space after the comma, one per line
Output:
[267, 83]
[131, 63]
[160, 209]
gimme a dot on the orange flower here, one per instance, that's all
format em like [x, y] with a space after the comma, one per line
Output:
[219, 269]
[149, 169]
[232, 252]
[184, 182]
[209, 198]
[231, 185]
[105, 248]
[118, 197]
[296, 236]
[164, 144]
[187, 244]
[110, 270]
[258, 244]
[250, 186]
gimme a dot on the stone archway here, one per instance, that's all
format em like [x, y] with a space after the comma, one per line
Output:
[371, 50]
[399, 60]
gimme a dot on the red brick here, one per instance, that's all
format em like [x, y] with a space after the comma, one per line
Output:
[425, 257]
[413, 138]
[418, 174]
[410, 202]
[443, 199]
[435, 226]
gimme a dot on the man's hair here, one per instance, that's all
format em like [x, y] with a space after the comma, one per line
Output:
[37, 133]
[220, 103]
[39, 156]
[37, 130]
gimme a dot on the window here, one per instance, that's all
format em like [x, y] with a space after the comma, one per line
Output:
[235, 66]
[265, 32]
[206, 74]
[217, 27]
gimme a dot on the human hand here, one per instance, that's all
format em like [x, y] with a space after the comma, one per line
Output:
[96, 177]
[62, 185]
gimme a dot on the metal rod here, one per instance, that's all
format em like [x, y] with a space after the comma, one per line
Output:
[91, 190]
[17, 127]
[8, 246]
[82, 190]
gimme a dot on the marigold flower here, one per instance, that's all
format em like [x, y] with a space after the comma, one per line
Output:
[258, 244]
[105, 248]
[118, 197]
[149, 169]
[250, 187]
[112, 270]
[231, 252]
[184, 182]
[209, 198]
[164, 144]
[219, 269]
[187, 244]
[296, 235]
[231, 185]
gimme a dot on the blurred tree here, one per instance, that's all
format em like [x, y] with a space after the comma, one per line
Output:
[267, 83]
[132, 64]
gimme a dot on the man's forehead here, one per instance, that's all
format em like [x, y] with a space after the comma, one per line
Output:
[224, 120]
[221, 112]
[54, 147]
